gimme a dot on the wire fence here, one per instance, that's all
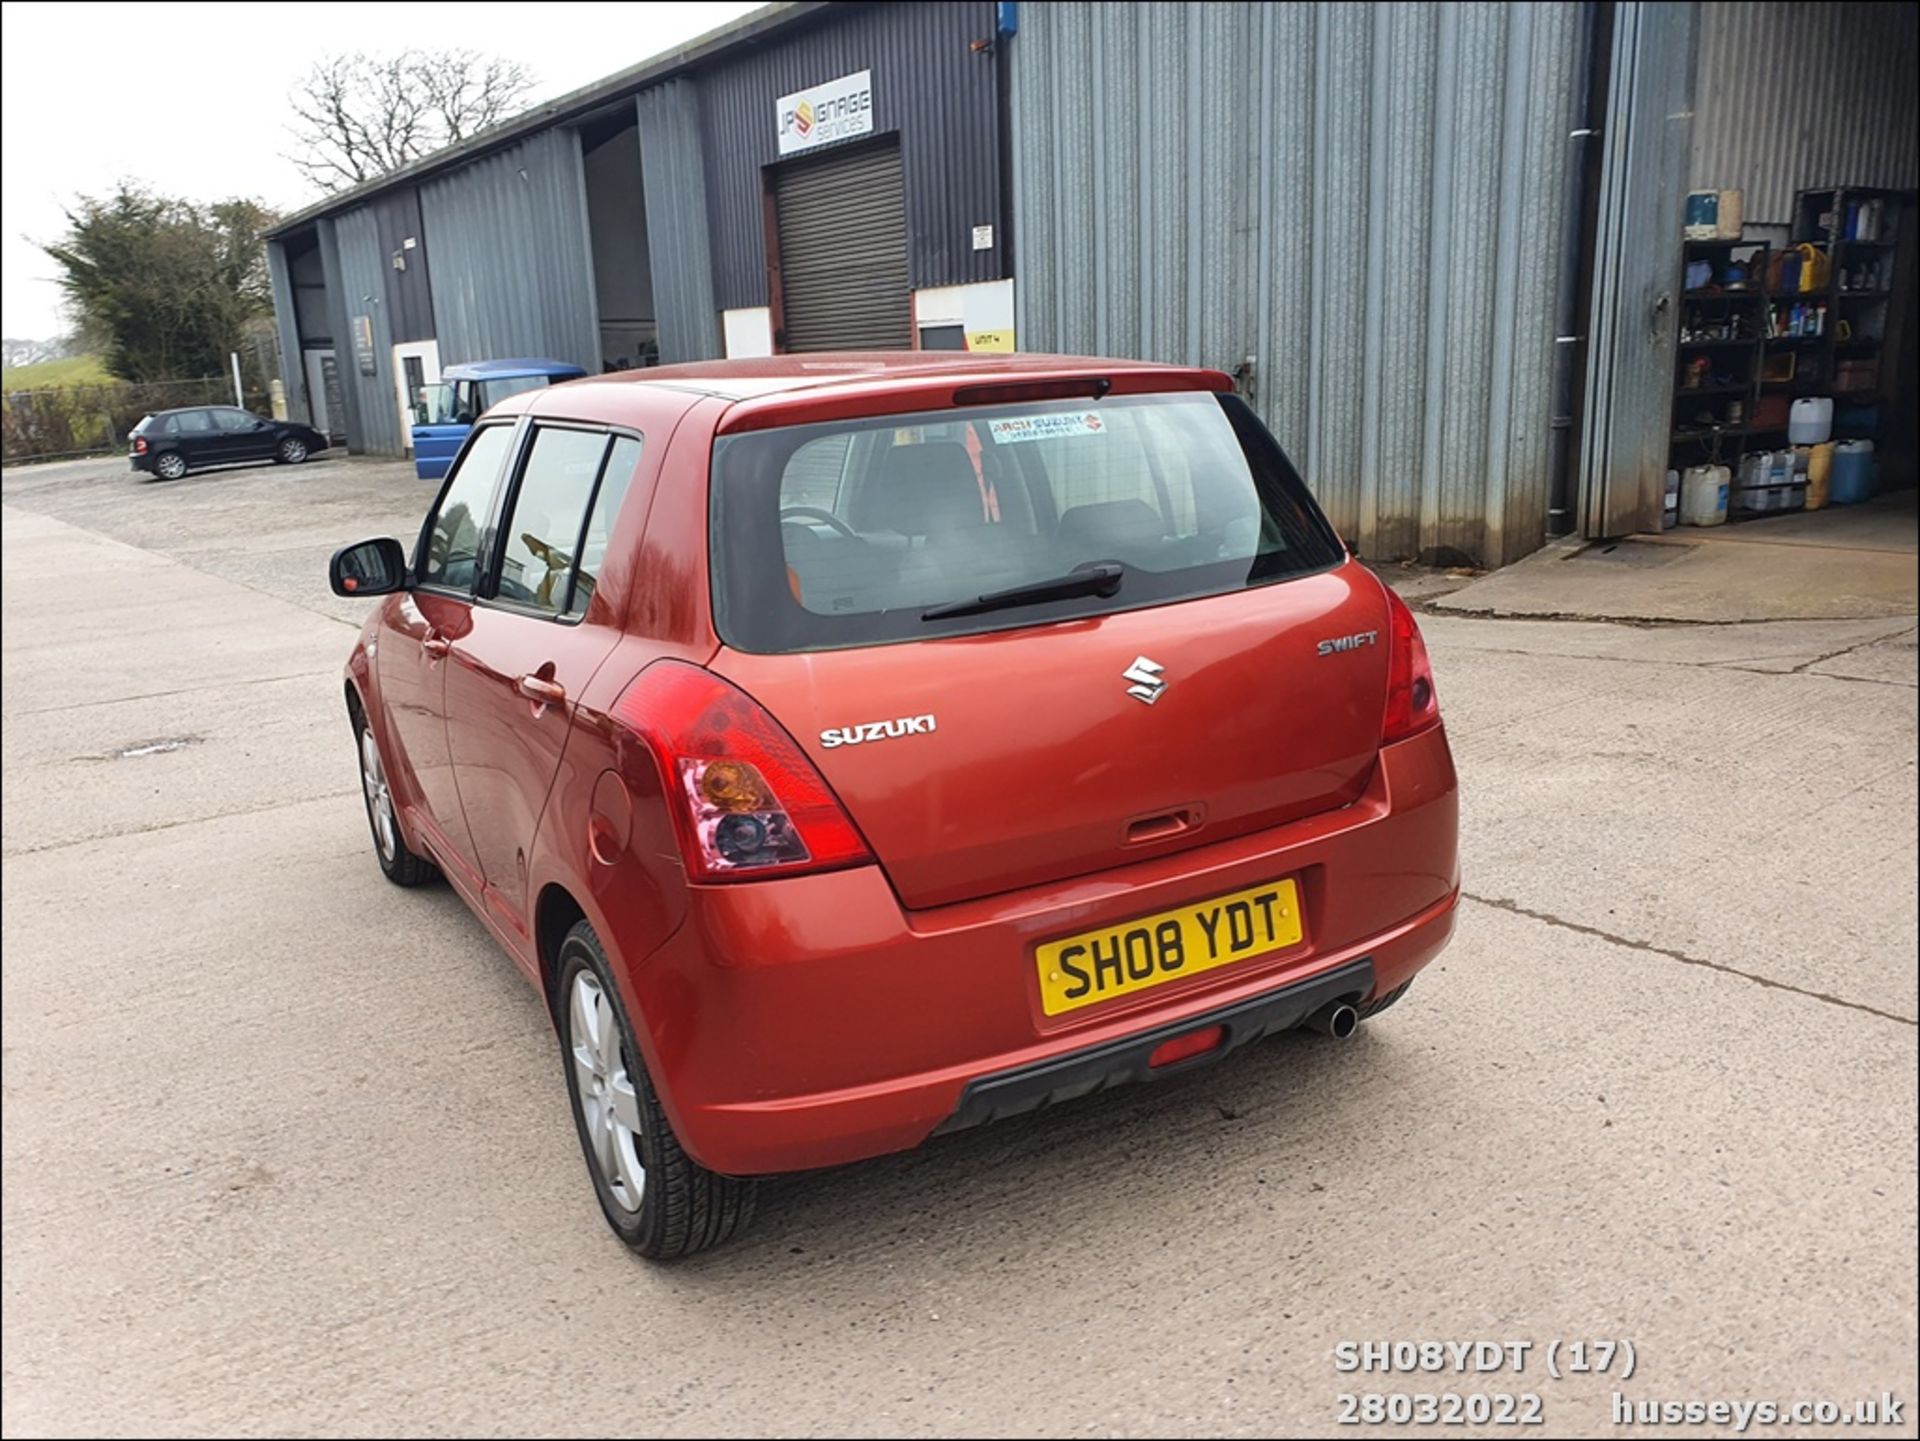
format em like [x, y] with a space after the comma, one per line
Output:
[80, 420]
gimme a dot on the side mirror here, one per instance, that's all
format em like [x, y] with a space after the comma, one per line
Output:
[373, 567]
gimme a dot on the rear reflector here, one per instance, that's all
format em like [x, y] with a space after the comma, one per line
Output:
[1181, 1048]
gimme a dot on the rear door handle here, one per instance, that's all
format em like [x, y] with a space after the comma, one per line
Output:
[538, 688]
[435, 644]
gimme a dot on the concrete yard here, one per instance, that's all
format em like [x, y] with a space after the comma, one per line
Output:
[287, 1149]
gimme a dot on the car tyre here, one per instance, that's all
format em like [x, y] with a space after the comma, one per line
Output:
[398, 862]
[1380, 1003]
[170, 465]
[658, 1200]
[291, 451]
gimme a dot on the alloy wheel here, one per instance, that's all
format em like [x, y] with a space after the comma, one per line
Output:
[170, 466]
[373, 779]
[293, 451]
[604, 1091]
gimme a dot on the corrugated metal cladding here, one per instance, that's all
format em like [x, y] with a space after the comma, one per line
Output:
[928, 84]
[673, 174]
[512, 261]
[288, 332]
[1631, 338]
[373, 403]
[1790, 97]
[1370, 200]
[409, 300]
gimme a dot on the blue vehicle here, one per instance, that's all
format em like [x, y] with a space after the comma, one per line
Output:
[445, 412]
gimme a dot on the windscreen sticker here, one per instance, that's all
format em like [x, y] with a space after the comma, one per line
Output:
[1017, 428]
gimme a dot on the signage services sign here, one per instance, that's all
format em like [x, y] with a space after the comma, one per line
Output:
[837, 110]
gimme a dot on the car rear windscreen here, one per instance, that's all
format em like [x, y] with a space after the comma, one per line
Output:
[849, 533]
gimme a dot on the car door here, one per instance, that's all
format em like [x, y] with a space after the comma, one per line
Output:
[254, 438]
[231, 438]
[196, 437]
[440, 425]
[419, 629]
[514, 677]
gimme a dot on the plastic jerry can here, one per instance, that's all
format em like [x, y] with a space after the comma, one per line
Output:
[1811, 420]
[1819, 474]
[1703, 495]
[1852, 480]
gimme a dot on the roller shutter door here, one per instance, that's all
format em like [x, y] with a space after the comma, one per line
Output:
[843, 252]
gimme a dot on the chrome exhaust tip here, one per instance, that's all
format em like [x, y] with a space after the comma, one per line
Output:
[1339, 1020]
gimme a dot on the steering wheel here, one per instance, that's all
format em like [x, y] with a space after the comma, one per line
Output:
[814, 512]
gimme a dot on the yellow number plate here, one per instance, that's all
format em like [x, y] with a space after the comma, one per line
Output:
[1116, 961]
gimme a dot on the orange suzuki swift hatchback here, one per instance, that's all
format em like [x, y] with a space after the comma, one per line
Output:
[855, 748]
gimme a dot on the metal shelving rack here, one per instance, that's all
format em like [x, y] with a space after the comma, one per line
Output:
[1829, 219]
[1705, 427]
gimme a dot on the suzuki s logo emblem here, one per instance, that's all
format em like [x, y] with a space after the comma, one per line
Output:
[1145, 675]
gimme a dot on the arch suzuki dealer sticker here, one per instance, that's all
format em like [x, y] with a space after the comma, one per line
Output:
[837, 110]
[1016, 428]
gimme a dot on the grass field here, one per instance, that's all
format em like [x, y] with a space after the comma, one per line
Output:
[53, 374]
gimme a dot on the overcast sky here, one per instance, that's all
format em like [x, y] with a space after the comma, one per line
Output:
[192, 98]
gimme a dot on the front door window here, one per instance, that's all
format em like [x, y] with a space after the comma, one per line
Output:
[452, 558]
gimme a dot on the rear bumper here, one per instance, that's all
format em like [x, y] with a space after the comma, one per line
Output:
[1081, 1073]
[811, 1022]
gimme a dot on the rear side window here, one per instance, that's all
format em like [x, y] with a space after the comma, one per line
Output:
[562, 515]
[191, 422]
[848, 533]
[452, 556]
[615, 480]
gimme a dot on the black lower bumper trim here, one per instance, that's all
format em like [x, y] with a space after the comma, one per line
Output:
[1081, 1073]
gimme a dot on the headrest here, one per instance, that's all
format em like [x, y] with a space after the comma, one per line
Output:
[1097, 531]
[929, 489]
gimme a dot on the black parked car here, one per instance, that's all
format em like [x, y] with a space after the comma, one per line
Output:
[169, 443]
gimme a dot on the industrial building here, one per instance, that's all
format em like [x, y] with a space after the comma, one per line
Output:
[1439, 246]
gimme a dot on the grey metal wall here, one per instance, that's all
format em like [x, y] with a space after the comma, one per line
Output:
[1632, 335]
[512, 267]
[1367, 199]
[673, 173]
[409, 301]
[292, 360]
[373, 404]
[1794, 96]
[928, 84]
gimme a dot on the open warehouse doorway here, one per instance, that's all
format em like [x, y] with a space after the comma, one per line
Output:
[617, 229]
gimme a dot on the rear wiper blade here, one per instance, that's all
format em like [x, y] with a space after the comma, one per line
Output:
[1088, 580]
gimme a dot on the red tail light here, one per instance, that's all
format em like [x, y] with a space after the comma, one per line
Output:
[746, 801]
[139, 445]
[1411, 704]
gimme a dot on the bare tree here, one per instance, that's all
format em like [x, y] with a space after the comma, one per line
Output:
[359, 116]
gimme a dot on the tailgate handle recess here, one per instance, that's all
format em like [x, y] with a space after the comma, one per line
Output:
[1162, 827]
